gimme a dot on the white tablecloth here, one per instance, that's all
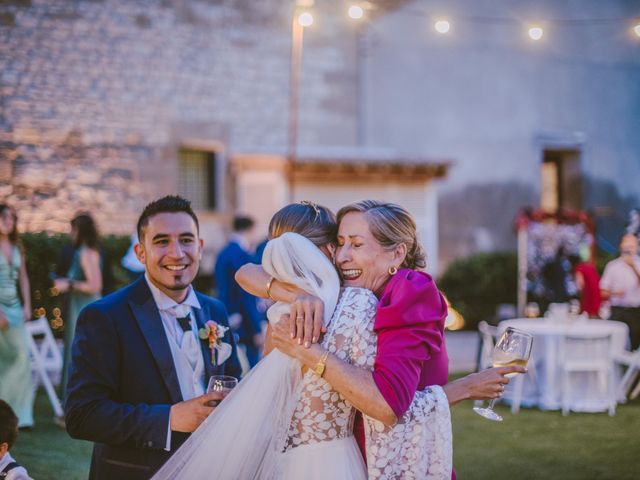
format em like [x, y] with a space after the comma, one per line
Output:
[545, 392]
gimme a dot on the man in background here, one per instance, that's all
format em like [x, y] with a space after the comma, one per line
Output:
[620, 284]
[244, 316]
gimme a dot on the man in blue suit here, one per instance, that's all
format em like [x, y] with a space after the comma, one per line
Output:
[138, 373]
[239, 303]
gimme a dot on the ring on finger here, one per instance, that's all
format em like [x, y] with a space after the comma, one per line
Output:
[300, 317]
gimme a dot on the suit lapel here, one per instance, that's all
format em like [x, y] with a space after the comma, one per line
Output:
[202, 315]
[146, 314]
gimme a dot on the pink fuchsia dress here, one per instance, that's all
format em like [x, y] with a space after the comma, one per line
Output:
[411, 352]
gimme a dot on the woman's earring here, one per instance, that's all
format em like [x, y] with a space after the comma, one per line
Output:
[392, 270]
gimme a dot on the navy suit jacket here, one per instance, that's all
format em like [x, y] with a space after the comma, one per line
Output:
[237, 300]
[122, 381]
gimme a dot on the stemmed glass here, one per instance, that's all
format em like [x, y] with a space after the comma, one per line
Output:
[222, 384]
[513, 348]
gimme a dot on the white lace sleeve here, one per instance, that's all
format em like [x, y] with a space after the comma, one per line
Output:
[322, 413]
[419, 446]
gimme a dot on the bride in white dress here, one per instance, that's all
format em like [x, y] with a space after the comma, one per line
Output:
[281, 423]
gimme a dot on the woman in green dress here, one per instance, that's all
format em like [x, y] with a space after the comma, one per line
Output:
[83, 281]
[16, 387]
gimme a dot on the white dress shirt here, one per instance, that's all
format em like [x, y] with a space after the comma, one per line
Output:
[184, 346]
[620, 277]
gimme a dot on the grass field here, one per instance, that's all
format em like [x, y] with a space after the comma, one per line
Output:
[530, 445]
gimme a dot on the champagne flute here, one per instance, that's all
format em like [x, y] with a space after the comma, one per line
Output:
[222, 384]
[513, 348]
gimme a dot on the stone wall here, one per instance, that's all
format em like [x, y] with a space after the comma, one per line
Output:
[97, 96]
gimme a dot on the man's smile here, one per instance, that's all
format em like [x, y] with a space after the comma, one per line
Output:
[176, 268]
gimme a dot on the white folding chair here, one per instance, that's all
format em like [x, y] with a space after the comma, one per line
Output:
[582, 352]
[46, 359]
[632, 361]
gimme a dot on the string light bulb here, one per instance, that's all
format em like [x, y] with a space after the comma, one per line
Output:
[356, 12]
[305, 19]
[636, 29]
[442, 26]
[535, 33]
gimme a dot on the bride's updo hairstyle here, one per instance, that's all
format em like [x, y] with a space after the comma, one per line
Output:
[391, 225]
[315, 222]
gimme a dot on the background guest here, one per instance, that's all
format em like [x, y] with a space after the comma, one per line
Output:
[130, 262]
[240, 304]
[587, 283]
[9, 468]
[15, 366]
[555, 275]
[620, 284]
[83, 280]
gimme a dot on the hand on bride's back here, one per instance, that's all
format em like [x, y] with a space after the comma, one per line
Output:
[282, 338]
[188, 415]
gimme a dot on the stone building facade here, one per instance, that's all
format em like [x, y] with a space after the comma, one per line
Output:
[98, 97]
[107, 104]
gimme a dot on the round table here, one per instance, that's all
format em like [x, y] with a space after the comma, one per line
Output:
[542, 388]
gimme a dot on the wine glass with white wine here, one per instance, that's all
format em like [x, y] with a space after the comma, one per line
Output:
[512, 348]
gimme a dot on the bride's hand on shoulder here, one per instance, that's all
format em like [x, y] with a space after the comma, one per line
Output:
[308, 313]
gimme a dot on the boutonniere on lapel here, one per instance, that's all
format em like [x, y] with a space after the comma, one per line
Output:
[214, 332]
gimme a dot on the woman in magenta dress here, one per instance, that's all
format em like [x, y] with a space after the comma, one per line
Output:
[588, 284]
[378, 250]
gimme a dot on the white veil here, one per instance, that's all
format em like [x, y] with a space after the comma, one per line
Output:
[245, 436]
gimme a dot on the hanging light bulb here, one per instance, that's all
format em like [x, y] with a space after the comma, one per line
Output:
[442, 26]
[636, 29]
[356, 12]
[305, 19]
[535, 33]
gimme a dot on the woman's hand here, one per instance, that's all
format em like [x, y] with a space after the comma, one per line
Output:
[61, 284]
[485, 385]
[282, 339]
[4, 321]
[308, 312]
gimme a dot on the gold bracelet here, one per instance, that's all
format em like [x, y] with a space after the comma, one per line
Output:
[322, 364]
[269, 283]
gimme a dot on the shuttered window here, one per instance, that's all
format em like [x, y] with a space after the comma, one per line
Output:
[197, 178]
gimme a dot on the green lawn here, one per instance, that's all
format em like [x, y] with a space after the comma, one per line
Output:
[530, 445]
[47, 451]
[545, 445]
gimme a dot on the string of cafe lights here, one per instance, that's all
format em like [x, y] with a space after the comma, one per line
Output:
[443, 26]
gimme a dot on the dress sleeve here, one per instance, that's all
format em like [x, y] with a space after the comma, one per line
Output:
[419, 445]
[410, 327]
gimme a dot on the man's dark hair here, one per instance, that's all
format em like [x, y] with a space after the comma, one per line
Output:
[168, 204]
[8, 424]
[242, 224]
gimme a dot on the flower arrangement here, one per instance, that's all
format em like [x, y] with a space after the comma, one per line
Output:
[213, 332]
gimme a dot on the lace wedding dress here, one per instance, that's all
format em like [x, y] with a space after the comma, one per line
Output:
[278, 424]
[320, 443]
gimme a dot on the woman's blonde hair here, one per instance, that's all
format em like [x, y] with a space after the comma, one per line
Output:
[315, 222]
[391, 225]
